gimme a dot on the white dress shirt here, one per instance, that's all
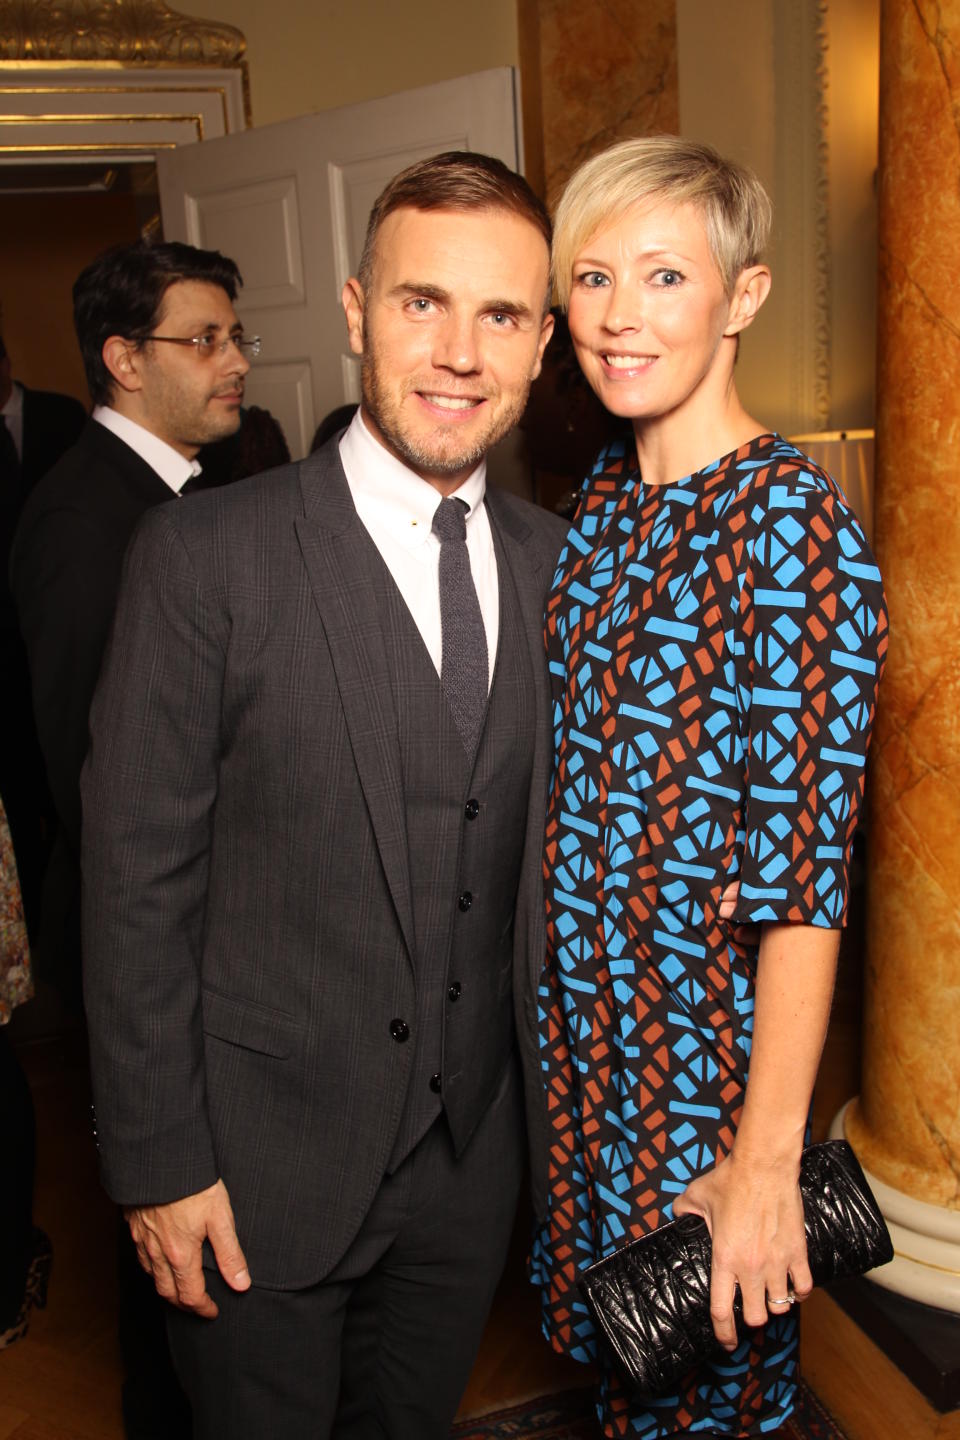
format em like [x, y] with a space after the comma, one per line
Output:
[173, 468]
[12, 413]
[396, 507]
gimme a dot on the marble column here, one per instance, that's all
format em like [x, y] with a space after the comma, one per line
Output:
[905, 1125]
[592, 74]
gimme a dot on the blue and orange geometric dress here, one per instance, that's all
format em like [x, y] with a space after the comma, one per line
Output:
[715, 647]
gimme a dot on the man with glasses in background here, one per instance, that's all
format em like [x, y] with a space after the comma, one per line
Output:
[165, 358]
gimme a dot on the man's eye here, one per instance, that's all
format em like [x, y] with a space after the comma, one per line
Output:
[421, 305]
[206, 343]
[501, 319]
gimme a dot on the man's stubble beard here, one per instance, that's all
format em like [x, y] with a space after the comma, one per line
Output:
[176, 418]
[419, 456]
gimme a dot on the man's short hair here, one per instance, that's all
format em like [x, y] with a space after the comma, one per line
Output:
[663, 169]
[454, 180]
[122, 291]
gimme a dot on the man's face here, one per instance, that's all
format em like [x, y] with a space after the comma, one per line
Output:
[452, 332]
[186, 397]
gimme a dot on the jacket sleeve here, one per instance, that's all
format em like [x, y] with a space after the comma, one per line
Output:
[149, 787]
[64, 581]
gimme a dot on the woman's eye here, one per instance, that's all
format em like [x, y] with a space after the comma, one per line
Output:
[592, 279]
[668, 279]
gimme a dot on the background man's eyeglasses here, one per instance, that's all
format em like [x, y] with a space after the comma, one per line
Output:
[207, 345]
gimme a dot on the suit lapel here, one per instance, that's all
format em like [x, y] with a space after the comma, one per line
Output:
[518, 546]
[335, 550]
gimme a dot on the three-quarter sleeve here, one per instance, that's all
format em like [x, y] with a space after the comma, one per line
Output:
[812, 634]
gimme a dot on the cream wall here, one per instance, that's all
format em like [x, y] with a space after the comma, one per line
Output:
[307, 55]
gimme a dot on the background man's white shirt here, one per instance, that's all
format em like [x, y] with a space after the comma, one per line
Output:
[172, 467]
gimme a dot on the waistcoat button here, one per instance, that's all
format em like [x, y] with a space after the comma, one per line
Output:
[472, 809]
[435, 1084]
[455, 991]
[465, 901]
[400, 1030]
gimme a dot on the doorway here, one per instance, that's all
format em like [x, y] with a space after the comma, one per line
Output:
[56, 219]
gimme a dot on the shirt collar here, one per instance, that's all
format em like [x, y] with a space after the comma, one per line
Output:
[172, 467]
[14, 402]
[384, 488]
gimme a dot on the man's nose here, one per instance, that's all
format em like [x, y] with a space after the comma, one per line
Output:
[456, 346]
[235, 361]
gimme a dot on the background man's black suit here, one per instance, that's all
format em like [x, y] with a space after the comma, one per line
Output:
[51, 424]
[65, 574]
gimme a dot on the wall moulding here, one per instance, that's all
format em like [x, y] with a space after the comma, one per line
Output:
[114, 76]
[802, 204]
[145, 32]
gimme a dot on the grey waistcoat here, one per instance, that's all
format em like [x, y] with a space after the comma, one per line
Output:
[465, 833]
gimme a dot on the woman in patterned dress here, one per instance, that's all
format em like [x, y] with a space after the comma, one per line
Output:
[715, 635]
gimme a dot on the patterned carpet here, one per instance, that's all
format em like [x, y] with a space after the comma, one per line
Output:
[570, 1416]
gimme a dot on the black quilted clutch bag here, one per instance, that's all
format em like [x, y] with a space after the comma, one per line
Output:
[651, 1298]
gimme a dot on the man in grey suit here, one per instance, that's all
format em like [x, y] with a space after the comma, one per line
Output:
[313, 822]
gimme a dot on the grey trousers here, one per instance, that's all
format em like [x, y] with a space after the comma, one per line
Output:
[382, 1348]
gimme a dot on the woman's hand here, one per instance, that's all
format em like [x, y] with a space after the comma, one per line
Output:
[755, 1217]
[746, 935]
[751, 1199]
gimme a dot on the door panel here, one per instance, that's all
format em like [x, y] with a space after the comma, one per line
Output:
[267, 216]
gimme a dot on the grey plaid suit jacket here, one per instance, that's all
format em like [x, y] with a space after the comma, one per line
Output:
[248, 932]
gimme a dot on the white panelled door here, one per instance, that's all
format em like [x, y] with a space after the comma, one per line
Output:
[290, 202]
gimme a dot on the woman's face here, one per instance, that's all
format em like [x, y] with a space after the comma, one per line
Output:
[648, 312]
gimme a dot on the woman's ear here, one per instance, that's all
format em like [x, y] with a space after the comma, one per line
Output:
[751, 289]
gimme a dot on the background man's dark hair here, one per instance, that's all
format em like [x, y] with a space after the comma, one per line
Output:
[455, 180]
[121, 293]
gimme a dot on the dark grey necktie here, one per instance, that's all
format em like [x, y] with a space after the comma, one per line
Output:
[463, 671]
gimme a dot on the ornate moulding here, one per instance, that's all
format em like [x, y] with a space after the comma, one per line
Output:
[117, 79]
[131, 32]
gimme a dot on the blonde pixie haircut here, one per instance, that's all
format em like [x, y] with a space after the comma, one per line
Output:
[735, 207]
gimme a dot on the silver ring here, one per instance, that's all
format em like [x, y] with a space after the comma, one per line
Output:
[789, 1299]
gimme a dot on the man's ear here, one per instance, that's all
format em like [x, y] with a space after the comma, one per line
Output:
[749, 293]
[121, 357]
[546, 330]
[352, 301]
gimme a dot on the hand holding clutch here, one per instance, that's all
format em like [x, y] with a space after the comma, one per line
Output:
[651, 1298]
